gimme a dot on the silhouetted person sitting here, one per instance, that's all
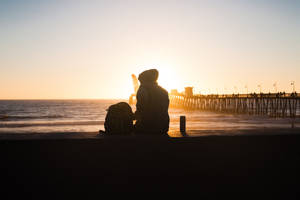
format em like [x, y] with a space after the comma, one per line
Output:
[152, 106]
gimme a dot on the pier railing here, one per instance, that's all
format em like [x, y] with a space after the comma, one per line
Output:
[274, 105]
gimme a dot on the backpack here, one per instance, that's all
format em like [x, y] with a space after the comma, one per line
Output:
[119, 119]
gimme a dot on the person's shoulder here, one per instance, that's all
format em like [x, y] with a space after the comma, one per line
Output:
[163, 90]
[141, 91]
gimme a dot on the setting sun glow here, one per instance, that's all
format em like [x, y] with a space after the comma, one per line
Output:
[168, 78]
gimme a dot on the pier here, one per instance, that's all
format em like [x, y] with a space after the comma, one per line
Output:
[261, 104]
[267, 104]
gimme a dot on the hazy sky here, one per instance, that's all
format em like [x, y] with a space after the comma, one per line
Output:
[89, 49]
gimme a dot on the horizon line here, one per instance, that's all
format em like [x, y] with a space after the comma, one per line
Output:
[67, 99]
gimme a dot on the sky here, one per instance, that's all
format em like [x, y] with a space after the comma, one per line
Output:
[89, 49]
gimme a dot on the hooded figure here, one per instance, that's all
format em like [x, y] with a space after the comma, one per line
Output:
[152, 105]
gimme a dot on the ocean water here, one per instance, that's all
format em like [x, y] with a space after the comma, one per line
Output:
[86, 117]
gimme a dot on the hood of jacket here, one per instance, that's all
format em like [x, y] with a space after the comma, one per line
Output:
[148, 77]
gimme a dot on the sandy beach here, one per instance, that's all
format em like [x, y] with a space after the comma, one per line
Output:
[208, 164]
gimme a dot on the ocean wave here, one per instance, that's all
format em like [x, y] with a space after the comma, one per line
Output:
[34, 124]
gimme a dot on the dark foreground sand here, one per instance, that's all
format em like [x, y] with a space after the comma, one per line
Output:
[268, 164]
